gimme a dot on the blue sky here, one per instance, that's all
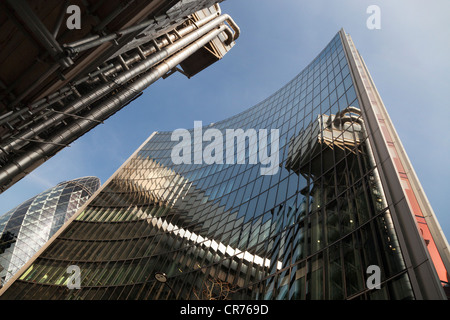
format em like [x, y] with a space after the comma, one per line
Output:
[407, 58]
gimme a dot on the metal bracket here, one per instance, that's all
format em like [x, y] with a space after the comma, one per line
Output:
[73, 115]
[42, 141]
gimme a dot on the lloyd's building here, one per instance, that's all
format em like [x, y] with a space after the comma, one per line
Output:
[342, 205]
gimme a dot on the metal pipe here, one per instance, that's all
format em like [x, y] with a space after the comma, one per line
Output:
[236, 29]
[76, 47]
[89, 98]
[218, 9]
[81, 41]
[41, 33]
[106, 70]
[109, 69]
[52, 98]
[71, 51]
[104, 110]
[165, 41]
[230, 37]
[60, 18]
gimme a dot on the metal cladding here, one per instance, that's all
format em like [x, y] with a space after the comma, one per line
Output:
[26, 228]
[319, 226]
[112, 70]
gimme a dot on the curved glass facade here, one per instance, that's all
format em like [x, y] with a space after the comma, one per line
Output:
[26, 228]
[310, 230]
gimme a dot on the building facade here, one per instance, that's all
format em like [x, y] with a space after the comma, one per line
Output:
[341, 205]
[56, 83]
[26, 228]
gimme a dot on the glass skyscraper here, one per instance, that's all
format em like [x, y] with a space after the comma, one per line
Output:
[341, 201]
[27, 227]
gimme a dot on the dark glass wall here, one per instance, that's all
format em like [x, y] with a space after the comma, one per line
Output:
[309, 231]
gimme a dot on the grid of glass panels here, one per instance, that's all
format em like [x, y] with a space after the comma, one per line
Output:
[310, 231]
[26, 228]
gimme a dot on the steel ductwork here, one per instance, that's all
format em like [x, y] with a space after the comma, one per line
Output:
[189, 45]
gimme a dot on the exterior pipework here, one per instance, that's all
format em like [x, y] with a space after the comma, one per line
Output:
[52, 98]
[236, 29]
[110, 69]
[105, 109]
[151, 61]
[161, 43]
[82, 45]
[114, 68]
[72, 50]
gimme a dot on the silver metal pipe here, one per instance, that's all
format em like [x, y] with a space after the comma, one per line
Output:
[73, 50]
[110, 69]
[40, 152]
[52, 98]
[171, 37]
[82, 45]
[236, 29]
[218, 9]
[104, 89]
[82, 41]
